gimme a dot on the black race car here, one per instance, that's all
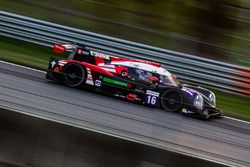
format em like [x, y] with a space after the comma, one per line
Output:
[135, 80]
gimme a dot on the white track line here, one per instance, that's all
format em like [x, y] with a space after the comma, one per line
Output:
[29, 68]
[33, 69]
[235, 119]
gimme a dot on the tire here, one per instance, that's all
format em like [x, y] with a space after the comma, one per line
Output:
[74, 75]
[172, 100]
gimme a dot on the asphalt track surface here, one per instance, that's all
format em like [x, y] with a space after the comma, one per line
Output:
[223, 140]
[27, 141]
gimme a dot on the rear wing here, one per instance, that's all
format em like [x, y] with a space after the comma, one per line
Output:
[62, 48]
[71, 47]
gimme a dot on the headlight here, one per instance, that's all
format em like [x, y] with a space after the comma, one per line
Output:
[212, 98]
[198, 102]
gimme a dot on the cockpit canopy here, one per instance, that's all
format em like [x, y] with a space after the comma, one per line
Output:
[142, 72]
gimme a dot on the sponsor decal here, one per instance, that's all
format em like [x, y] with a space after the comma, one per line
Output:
[98, 83]
[53, 63]
[139, 90]
[98, 54]
[119, 95]
[85, 53]
[115, 82]
[153, 93]
[151, 97]
[56, 69]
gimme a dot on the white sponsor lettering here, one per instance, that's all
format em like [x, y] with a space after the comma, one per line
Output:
[98, 54]
[153, 93]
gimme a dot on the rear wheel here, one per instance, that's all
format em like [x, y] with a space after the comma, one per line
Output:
[74, 75]
[172, 100]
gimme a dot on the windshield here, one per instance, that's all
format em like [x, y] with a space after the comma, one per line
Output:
[167, 78]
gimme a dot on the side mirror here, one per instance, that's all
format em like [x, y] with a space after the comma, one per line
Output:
[174, 77]
[153, 79]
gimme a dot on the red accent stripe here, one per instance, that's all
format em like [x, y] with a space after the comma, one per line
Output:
[92, 67]
[99, 60]
[97, 69]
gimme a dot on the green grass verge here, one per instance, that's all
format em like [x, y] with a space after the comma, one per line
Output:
[37, 57]
[24, 53]
[233, 105]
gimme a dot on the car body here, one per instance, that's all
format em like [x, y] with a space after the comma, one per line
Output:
[139, 81]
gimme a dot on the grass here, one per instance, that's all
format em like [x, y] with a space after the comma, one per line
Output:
[23, 53]
[233, 105]
[37, 57]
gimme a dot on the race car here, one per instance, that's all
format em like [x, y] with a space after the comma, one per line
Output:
[139, 81]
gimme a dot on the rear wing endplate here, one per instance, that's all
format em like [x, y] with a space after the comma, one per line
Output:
[62, 48]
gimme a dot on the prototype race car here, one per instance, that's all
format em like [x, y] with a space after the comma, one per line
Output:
[135, 80]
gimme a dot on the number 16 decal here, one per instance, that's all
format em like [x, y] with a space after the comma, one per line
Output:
[151, 100]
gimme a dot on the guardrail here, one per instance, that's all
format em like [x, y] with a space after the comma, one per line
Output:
[189, 68]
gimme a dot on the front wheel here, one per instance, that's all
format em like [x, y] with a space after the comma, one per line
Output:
[74, 75]
[172, 100]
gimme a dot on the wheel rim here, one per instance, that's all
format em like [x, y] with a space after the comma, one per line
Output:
[172, 101]
[74, 75]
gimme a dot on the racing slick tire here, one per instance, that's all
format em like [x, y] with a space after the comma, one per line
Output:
[172, 100]
[74, 75]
